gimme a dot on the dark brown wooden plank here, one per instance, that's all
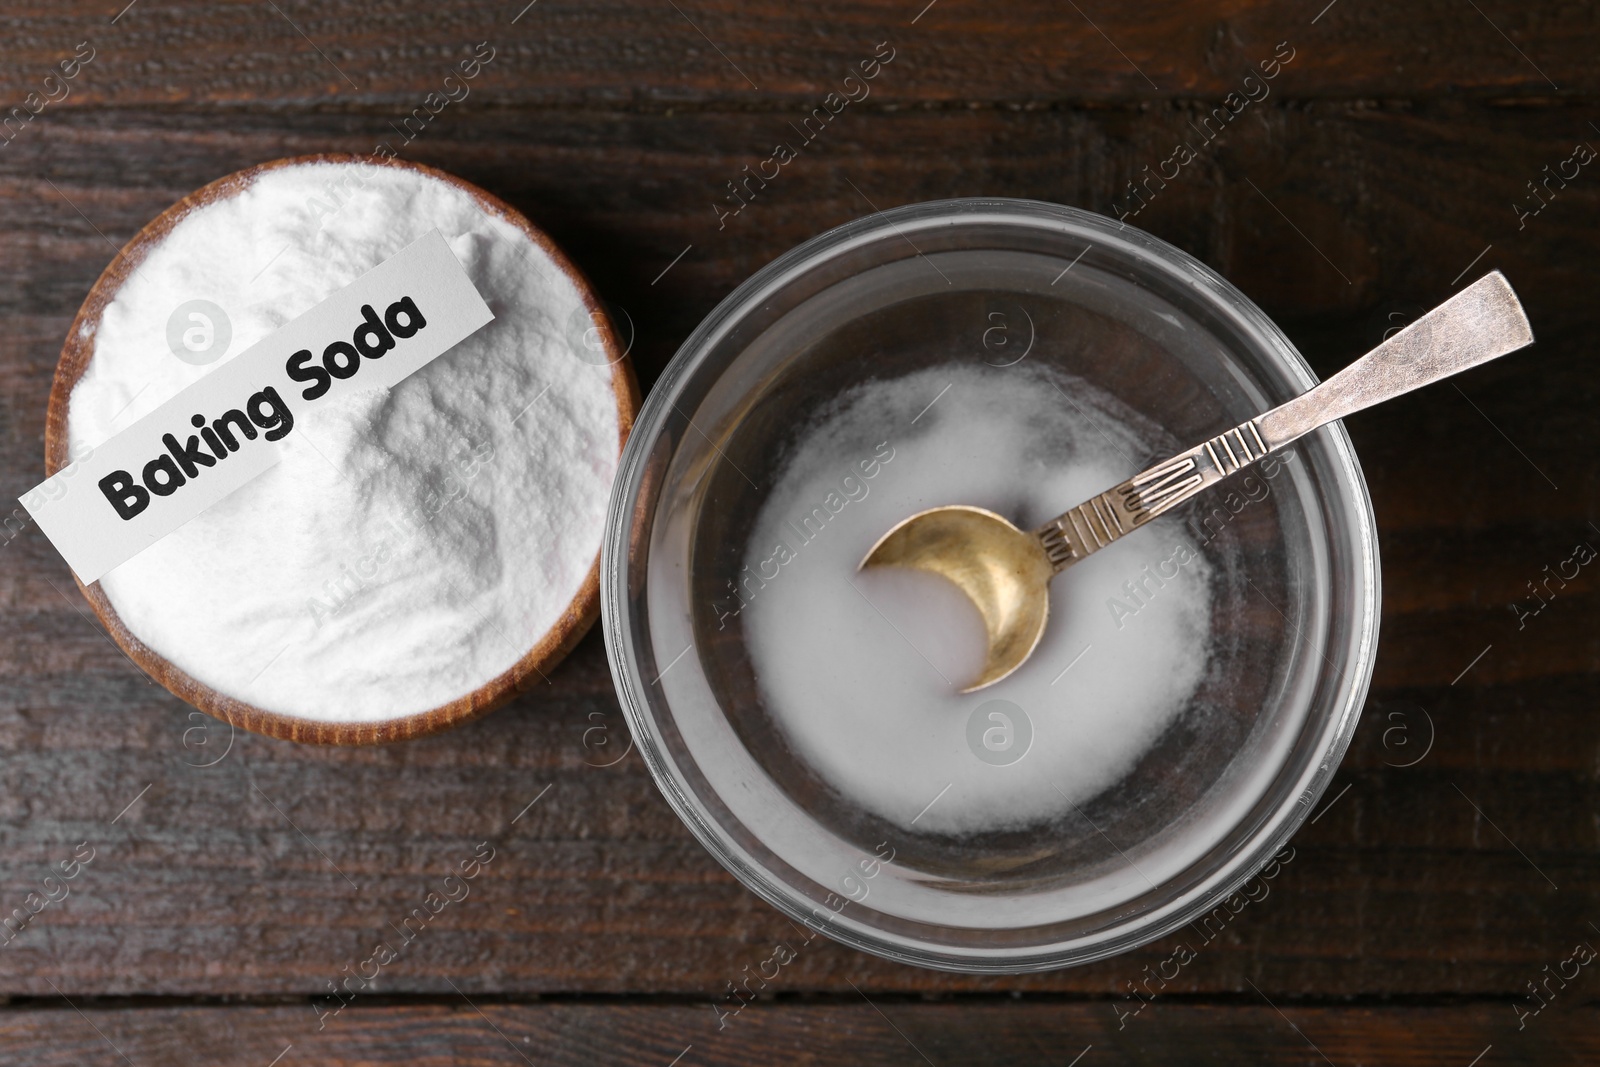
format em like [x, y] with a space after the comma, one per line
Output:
[343, 55]
[627, 193]
[867, 1030]
[617, 128]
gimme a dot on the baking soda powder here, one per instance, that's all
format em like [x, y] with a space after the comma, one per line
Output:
[412, 544]
[863, 670]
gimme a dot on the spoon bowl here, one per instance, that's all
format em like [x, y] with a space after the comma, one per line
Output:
[997, 566]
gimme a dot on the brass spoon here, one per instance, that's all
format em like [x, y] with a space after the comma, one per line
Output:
[1006, 572]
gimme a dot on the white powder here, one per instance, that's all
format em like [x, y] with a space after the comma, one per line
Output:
[412, 545]
[863, 670]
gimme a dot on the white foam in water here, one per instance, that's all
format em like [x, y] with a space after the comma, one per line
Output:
[863, 670]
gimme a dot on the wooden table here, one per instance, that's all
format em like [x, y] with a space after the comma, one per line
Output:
[1453, 861]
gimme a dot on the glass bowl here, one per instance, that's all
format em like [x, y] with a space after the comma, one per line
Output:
[1293, 555]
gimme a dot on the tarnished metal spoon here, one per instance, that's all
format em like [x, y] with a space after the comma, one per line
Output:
[1006, 572]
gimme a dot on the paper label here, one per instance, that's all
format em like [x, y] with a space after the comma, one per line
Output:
[126, 494]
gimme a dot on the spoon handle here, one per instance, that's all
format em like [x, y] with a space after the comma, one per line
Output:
[1482, 322]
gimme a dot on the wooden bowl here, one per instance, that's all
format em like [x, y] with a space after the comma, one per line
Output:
[581, 612]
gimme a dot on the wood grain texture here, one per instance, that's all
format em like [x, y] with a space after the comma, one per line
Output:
[347, 55]
[865, 1030]
[1315, 245]
[1454, 857]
